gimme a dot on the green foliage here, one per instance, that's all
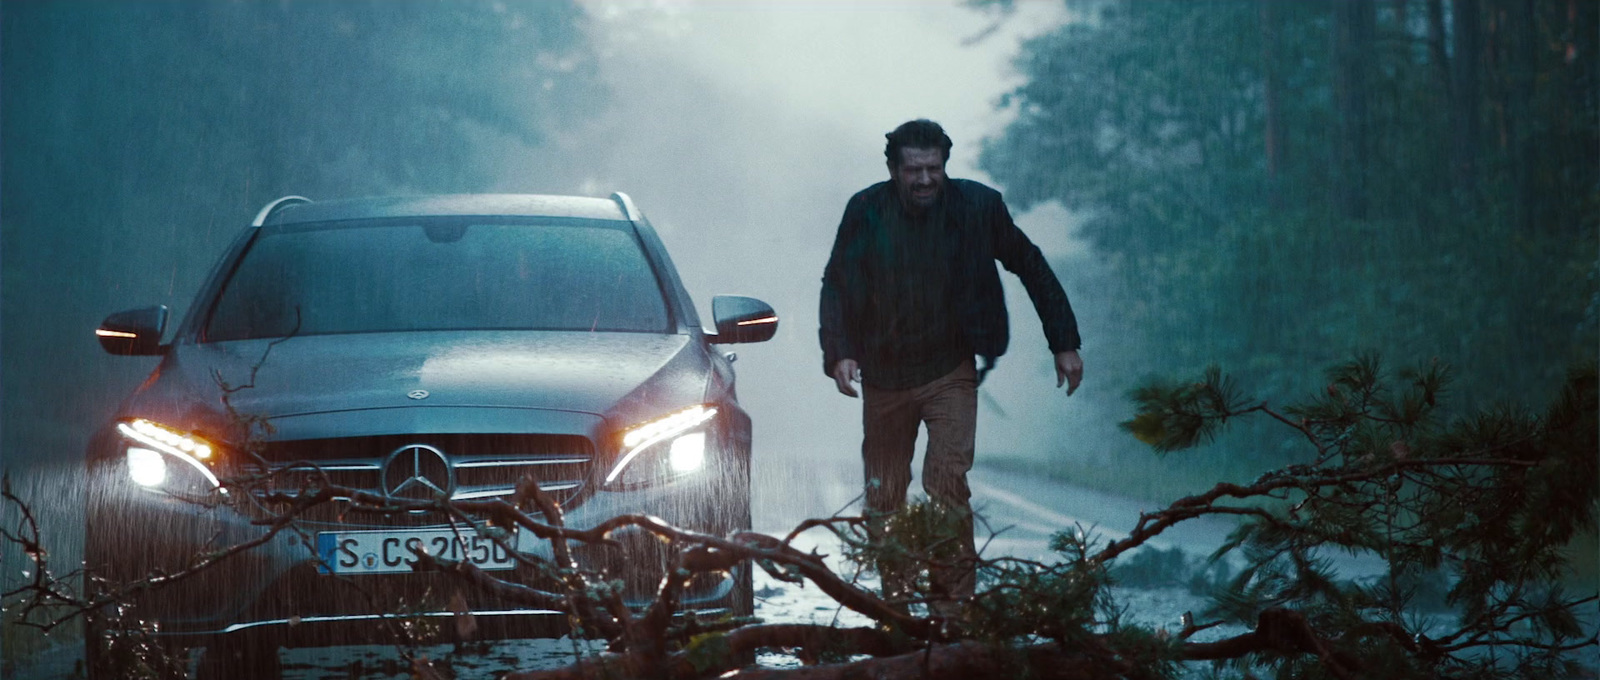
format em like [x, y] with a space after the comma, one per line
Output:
[1065, 601]
[1150, 120]
[1179, 417]
[1017, 602]
[1069, 602]
[1154, 116]
[1156, 568]
[905, 543]
[1152, 653]
[1470, 512]
[707, 650]
[1152, 568]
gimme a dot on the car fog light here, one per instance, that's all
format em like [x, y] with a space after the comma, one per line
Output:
[688, 452]
[146, 467]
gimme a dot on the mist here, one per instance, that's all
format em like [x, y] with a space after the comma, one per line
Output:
[742, 135]
[1199, 200]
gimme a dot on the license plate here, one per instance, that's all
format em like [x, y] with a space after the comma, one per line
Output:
[386, 551]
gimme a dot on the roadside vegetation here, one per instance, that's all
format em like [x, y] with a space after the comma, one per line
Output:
[1273, 186]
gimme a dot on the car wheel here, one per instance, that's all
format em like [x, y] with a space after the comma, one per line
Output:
[742, 599]
[736, 517]
[742, 602]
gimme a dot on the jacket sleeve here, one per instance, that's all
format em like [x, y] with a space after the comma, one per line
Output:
[834, 330]
[1021, 257]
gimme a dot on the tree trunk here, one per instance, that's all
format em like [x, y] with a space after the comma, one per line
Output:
[1465, 99]
[1436, 43]
[1573, 137]
[1521, 66]
[1273, 87]
[1354, 23]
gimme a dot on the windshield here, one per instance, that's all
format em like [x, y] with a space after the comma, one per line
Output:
[439, 274]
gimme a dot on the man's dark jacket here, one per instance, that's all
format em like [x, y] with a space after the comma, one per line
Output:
[984, 233]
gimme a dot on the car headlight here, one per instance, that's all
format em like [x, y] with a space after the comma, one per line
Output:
[161, 458]
[667, 447]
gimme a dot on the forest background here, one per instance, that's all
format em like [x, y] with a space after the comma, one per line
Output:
[1267, 186]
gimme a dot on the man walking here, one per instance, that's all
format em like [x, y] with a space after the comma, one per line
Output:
[909, 296]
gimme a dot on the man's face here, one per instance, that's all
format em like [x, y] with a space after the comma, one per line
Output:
[919, 176]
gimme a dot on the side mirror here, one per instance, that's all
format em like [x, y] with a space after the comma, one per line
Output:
[742, 319]
[133, 332]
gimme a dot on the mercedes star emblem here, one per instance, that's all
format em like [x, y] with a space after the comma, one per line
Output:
[418, 394]
[418, 472]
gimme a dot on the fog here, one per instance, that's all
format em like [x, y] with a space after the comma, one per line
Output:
[741, 135]
[1214, 183]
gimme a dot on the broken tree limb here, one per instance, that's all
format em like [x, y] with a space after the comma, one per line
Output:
[1277, 630]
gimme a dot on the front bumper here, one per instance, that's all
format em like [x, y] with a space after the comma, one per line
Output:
[275, 593]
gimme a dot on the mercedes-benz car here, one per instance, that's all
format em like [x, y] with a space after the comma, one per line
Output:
[416, 349]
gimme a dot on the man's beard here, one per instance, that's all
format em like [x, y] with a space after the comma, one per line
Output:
[919, 204]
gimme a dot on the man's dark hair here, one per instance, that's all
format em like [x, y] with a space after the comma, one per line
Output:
[917, 134]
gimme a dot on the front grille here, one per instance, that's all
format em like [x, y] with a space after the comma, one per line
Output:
[484, 466]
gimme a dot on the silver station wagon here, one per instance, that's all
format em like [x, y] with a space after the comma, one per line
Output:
[416, 349]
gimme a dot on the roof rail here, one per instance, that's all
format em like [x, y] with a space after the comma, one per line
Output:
[261, 217]
[626, 203]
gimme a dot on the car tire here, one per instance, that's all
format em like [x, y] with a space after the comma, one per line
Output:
[741, 601]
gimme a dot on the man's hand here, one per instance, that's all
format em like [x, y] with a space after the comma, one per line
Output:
[846, 371]
[1069, 370]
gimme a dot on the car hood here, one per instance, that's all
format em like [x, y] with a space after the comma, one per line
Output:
[570, 371]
